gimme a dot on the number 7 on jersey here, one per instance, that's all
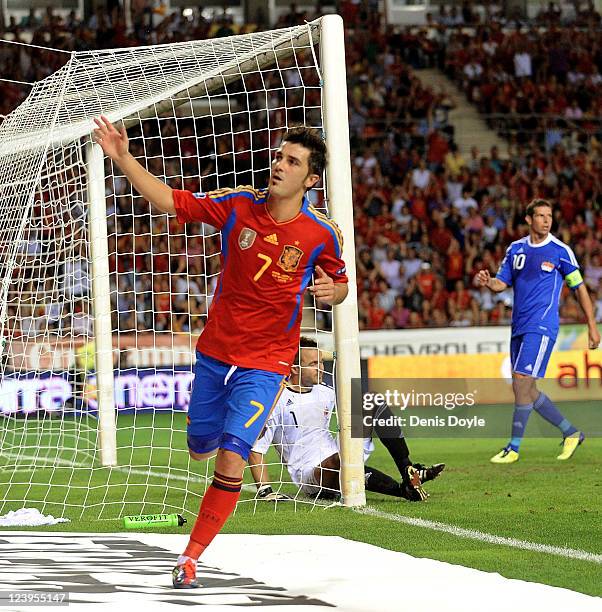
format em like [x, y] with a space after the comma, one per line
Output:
[267, 261]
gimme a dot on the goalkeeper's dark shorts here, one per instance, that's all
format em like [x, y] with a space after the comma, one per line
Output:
[229, 405]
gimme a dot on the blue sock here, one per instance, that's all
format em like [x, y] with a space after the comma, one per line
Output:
[547, 409]
[519, 424]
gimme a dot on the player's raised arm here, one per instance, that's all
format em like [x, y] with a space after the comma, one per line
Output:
[115, 145]
[484, 279]
[586, 305]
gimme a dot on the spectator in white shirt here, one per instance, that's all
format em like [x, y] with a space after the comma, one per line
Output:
[465, 202]
[386, 296]
[75, 281]
[490, 231]
[379, 252]
[484, 299]
[411, 265]
[454, 187]
[522, 64]
[389, 269]
[421, 176]
[399, 204]
[473, 70]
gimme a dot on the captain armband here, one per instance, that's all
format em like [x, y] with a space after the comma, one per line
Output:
[573, 279]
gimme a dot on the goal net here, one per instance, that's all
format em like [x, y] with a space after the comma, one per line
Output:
[102, 297]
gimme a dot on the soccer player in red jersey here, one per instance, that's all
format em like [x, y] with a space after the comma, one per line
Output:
[273, 242]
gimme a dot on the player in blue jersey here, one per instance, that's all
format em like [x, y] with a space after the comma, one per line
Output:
[536, 266]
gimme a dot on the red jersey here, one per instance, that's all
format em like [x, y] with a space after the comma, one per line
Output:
[255, 316]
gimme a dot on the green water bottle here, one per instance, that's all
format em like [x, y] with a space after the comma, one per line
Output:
[153, 520]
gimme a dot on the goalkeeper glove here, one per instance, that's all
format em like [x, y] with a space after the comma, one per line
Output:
[267, 493]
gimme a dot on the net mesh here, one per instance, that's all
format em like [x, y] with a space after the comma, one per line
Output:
[200, 115]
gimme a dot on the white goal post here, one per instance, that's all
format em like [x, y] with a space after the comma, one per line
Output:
[88, 266]
[338, 180]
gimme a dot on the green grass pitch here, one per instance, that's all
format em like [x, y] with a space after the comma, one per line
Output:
[538, 500]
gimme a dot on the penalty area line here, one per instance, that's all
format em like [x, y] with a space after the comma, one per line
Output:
[473, 534]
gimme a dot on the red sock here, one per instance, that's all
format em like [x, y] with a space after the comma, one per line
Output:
[217, 505]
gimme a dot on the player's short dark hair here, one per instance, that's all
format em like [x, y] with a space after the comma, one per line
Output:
[312, 140]
[304, 342]
[536, 203]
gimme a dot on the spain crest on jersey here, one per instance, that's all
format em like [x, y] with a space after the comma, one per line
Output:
[246, 238]
[290, 258]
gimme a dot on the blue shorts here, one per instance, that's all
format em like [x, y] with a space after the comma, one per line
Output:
[530, 353]
[229, 405]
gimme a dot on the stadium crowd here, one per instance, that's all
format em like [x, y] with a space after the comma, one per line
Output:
[427, 217]
[545, 83]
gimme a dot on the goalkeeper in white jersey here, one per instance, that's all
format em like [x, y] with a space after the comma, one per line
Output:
[299, 429]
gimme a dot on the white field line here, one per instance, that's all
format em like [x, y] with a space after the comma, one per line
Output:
[136, 472]
[38, 459]
[472, 534]
[68, 463]
[459, 532]
[195, 479]
[126, 470]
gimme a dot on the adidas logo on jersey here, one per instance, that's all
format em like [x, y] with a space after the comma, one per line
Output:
[272, 239]
[529, 368]
[289, 401]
